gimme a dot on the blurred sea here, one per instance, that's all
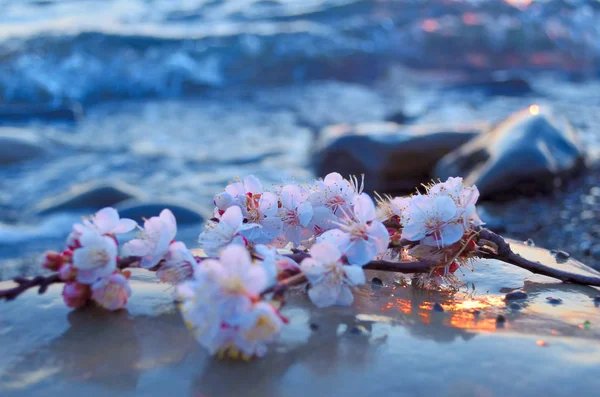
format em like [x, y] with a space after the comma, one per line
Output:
[178, 97]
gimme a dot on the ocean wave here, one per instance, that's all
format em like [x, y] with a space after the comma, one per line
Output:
[157, 49]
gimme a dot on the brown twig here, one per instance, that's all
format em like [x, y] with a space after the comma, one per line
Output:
[420, 266]
[44, 282]
[504, 253]
[25, 283]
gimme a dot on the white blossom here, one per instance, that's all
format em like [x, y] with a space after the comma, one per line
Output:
[105, 221]
[330, 280]
[295, 213]
[178, 265]
[96, 258]
[465, 198]
[216, 236]
[261, 209]
[433, 220]
[222, 308]
[334, 193]
[155, 238]
[360, 235]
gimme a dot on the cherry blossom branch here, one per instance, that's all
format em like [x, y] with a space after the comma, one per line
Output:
[26, 283]
[501, 250]
[44, 282]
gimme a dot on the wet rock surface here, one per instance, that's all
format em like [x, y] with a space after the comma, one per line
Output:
[527, 153]
[567, 219]
[394, 158]
[19, 144]
[146, 349]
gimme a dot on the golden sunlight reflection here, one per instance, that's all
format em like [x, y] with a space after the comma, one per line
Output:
[462, 311]
[534, 109]
[520, 4]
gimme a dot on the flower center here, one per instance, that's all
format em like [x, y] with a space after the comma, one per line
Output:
[263, 329]
[100, 257]
[290, 218]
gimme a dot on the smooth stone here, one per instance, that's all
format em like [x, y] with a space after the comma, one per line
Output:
[554, 301]
[49, 349]
[90, 196]
[377, 281]
[497, 85]
[19, 144]
[515, 295]
[394, 158]
[527, 153]
[185, 213]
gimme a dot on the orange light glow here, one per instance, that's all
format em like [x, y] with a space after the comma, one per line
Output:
[520, 4]
[458, 311]
[541, 343]
[470, 18]
[429, 25]
[534, 109]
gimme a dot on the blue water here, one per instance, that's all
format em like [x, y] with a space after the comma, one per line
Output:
[178, 97]
[59, 51]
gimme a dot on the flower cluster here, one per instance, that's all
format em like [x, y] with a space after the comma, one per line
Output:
[223, 307]
[92, 266]
[231, 297]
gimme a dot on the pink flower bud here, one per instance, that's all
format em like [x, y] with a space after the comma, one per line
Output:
[75, 294]
[53, 261]
[112, 292]
[67, 272]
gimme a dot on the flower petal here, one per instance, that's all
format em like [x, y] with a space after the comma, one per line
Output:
[355, 275]
[106, 220]
[305, 213]
[345, 298]
[268, 204]
[325, 253]
[252, 184]
[136, 247]
[232, 217]
[323, 295]
[124, 225]
[364, 209]
[360, 252]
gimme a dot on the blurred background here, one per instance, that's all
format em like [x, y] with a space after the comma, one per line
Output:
[142, 104]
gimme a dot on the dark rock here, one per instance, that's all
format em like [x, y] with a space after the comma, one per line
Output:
[554, 301]
[531, 151]
[597, 299]
[497, 85]
[437, 307]
[92, 196]
[515, 306]
[376, 281]
[185, 213]
[314, 326]
[400, 117]
[500, 319]
[515, 295]
[393, 158]
[18, 144]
